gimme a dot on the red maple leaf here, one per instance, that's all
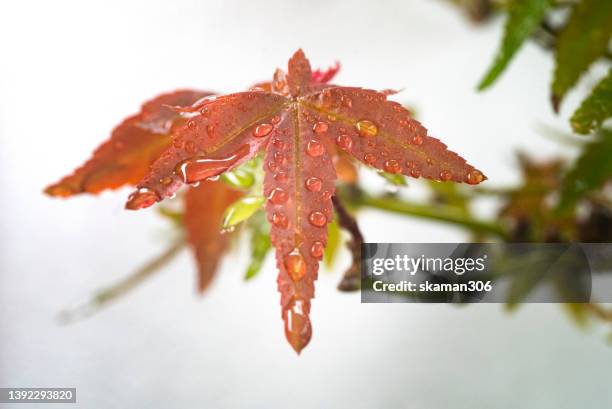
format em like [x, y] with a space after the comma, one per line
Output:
[299, 121]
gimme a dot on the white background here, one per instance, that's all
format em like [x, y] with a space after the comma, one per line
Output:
[69, 71]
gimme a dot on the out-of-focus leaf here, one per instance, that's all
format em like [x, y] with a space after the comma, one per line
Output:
[596, 108]
[345, 168]
[524, 16]
[333, 243]
[449, 194]
[260, 244]
[241, 210]
[584, 39]
[239, 178]
[579, 313]
[176, 217]
[204, 208]
[591, 170]
[134, 144]
[395, 179]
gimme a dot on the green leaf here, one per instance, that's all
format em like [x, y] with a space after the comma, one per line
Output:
[396, 179]
[595, 109]
[176, 217]
[333, 243]
[260, 246]
[591, 170]
[241, 210]
[524, 16]
[239, 178]
[584, 39]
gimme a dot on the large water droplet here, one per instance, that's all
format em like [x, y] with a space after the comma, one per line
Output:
[474, 177]
[278, 196]
[344, 141]
[415, 172]
[392, 166]
[275, 119]
[317, 249]
[366, 128]
[193, 170]
[295, 264]
[315, 148]
[298, 329]
[317, 219]
[445, 175]
[142, 198]
[191, 125]
[262, 130]
[314, 184]
[280, 220]
[320, 127]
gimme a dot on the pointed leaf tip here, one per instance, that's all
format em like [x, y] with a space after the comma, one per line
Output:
[134, 144]
[383, 135]
[298, 329]
[595, 109]
[299, 73]
[204, 209]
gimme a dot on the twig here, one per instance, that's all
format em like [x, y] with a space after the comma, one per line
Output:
[440, 213]
[105, 295]
[351, 279]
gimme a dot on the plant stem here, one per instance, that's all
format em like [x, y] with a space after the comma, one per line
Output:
[440, 213]
[351, 279]
[105, 295]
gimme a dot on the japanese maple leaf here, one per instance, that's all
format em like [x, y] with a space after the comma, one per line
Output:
[293, 121]
[125, 159]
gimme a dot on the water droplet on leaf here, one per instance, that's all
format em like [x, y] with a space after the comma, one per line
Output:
[142, 198]
[445, 175]
[193, 170]
[280, 220]
[317, 249]
[314, 184]
[344, 141]
[366, 128]
[315, 148]
[392, 166]
[320, 127]
[281, 177]
[317, 219]
[278, 196]
[295, 264]
[474, 177]
[262, 130]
